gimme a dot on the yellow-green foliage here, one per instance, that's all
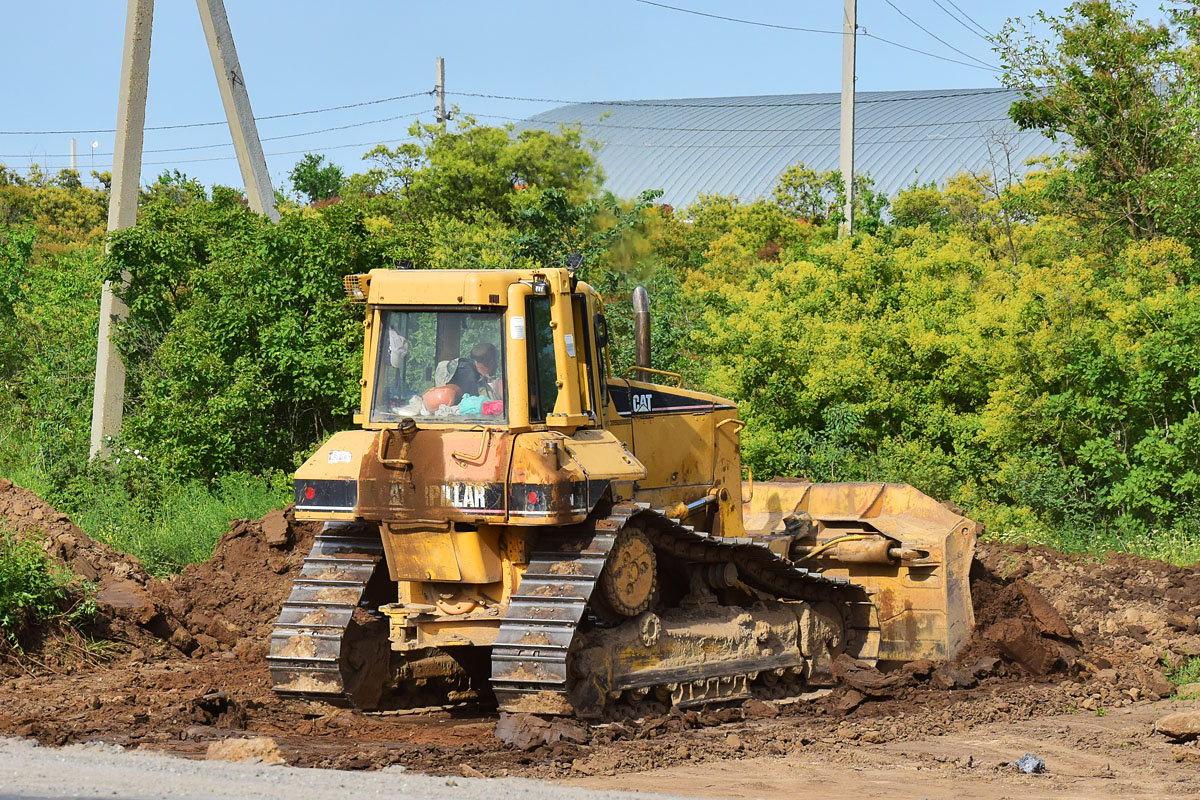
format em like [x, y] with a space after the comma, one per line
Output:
[1017, 372]
[988, 343]
[63, 209]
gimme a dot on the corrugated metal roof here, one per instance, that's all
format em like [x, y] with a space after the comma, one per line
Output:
[740, 145]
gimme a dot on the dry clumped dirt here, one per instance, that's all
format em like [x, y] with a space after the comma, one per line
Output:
[184, 670]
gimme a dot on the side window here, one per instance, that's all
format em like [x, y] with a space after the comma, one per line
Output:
[540, 341]
[600, 332]
[588, 379]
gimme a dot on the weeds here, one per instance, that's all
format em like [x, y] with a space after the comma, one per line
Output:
[1178, 545]
[1187, 672]
[34, 591]
[173, 525]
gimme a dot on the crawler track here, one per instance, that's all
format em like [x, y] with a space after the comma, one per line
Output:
[318, 648]
[541, 630]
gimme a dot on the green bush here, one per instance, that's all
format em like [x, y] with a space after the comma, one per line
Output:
[1188, 672]
[32, 589]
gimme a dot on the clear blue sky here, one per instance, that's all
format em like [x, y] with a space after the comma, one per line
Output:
[61, 62]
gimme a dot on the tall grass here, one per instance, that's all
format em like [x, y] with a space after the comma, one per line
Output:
[1178, 545]
[183, 524]
[134, 505]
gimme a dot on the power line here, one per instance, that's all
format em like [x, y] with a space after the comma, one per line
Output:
[935, 36]
[230, 144]
[737, 20]
[275, 153]
[960, 22]
[223, 122]
[713, 106]
[670, 146]
[927, 53]
[408, 96]
[615, 126]
[969, 19]
[863, 32]
[635, 103]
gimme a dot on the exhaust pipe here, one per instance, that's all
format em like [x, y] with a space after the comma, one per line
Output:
[641, 327]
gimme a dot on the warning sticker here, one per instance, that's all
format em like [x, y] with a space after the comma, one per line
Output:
[570, 340]
[516, 327]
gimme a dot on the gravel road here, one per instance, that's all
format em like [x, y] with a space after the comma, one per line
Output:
[106, 771]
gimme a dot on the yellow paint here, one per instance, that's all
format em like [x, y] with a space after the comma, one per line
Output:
[450, 556]
[924, 604]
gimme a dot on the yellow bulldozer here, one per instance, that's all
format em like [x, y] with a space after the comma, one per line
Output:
[513, 520]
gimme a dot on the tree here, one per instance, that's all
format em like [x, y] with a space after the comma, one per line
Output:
[315, 179]
[820, 197]
[16, 248]
[1122, 90]
[477, 169]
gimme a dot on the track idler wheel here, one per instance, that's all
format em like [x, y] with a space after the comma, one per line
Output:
[629, 580]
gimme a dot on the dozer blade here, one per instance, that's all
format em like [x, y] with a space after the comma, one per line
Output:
[912, 554]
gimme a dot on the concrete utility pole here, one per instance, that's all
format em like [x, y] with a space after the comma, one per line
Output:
[849, 35]
[259, 191]
[439, 89]
[109, 394]
[74, 166]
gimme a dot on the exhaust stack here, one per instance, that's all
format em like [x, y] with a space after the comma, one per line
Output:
[641, 327]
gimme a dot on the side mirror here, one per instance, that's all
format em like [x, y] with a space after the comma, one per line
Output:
[601, 331]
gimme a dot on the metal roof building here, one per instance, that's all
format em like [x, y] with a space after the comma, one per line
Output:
[740, 145]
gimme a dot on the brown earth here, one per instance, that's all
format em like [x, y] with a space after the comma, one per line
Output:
[1061, 643]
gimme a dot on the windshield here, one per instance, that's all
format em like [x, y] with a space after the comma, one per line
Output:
[440, 366]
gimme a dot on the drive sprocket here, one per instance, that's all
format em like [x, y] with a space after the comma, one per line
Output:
[629, 580]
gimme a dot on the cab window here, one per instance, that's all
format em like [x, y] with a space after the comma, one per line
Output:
[440, 366]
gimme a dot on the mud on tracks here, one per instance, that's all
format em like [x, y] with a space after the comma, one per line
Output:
[1055, 634]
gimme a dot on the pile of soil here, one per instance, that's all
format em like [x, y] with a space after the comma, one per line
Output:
[129, 614]
[230, 602]
[226, 604]
[1123, 620]
[1054, 633]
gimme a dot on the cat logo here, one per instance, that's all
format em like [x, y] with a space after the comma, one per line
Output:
[641, 403]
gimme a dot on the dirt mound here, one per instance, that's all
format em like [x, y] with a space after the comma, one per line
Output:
[1015, 622]
[1107, 631]
[1123, 613]
[1054, 634]
[225, 604]
[229, 602]
[129, 611]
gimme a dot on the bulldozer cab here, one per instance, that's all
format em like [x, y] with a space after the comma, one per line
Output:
[512, 350]
[488, 396]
